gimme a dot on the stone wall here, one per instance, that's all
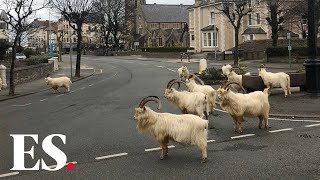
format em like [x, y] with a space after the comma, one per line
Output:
[30, 73]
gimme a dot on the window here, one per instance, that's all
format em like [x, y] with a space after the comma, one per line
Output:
[258, 2]
[258, 18]
[74, 39]
[210, 39]
[67, 26]
[212, 19]
[90, 41]
[249, 19]
[149, 42]
[160, 41]
[67, 39]
[251, 37]
[249, 3]
[192, 37]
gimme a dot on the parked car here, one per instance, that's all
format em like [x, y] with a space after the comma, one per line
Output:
[20, 56]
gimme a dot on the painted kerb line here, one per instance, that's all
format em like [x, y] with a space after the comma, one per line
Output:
[312, 125]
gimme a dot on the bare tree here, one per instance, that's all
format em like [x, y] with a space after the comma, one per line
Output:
[235, 10]
[18, 12]
[76, 12]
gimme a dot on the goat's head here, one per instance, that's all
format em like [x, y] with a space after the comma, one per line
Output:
[223, 91]
[226, 69]
[168, 93]
[195, 79]
[184, 68]
[140, 112]
[262, 68]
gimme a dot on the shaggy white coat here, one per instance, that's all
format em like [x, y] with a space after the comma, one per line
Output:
[188, 102]
[183, 72]
[280, 79]
[55, 83]
[255, 104]
[205, 89]
[184, 129]
[0, 84]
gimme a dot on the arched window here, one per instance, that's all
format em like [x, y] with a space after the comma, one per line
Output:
[160, 41]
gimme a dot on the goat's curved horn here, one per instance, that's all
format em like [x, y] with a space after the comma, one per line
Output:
[232, 82]
[150, 98]
[172, 82]
[198, 80]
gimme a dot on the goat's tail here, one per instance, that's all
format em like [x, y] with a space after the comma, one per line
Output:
[288, 84]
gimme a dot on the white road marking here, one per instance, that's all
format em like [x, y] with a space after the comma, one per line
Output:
[159, 66]
[158, 148]
[221, 110]
[9, 174]
[293, 120]
[59, 95]
[111, 156]
[44, 100]
[54, 166]
[280, 119]
[210, 141]
[21, 105]
[312, 125]
[242, 136]
[82, 88]
[91, 85]
[171, 70]
[100, 70]
[281, 130]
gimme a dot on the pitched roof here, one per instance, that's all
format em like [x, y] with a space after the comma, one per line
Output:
[165, 13]
[258, 30]
[208, 28]
[3, 15]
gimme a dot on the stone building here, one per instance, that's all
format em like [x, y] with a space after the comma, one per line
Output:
[3, 27]
[204, 18]
[157, 25]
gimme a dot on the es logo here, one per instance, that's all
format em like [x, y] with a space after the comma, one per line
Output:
[47, 146]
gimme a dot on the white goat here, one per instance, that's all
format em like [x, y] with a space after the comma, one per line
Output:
[183, 72]
[205, 89]
[55, 83]
[184, 129]
[228, 71]
[188, 102]
[255, 104]
[272, 80]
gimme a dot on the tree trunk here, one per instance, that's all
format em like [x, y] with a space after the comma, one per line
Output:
[13, 58]
[274, 25]
[236, 48]
[79, 41]
[116, 41]
[106, 38]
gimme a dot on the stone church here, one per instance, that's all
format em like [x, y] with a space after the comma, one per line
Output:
[156, 25]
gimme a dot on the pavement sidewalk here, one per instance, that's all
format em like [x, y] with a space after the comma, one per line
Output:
[40, 84]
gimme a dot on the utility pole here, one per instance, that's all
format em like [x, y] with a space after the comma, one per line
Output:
[312, 65]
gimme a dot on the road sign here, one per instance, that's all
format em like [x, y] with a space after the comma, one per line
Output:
[289, 48]
[288, 35]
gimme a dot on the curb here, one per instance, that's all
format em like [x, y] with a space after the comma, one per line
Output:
[22, 95]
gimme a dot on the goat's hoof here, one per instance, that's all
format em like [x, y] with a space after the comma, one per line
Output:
[161, 157]
[204, 160]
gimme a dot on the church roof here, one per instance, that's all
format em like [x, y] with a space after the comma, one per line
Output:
[161, 13]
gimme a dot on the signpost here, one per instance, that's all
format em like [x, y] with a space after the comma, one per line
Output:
[289, 48]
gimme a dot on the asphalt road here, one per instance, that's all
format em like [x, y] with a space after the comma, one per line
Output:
[97, 119]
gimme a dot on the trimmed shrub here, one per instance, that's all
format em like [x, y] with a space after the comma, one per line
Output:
[283, 51]
[164, 49]
[29, 52]
[4, 46]
[34, 60]
[213, 74]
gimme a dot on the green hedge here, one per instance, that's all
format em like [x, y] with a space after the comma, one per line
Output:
[34, 60]
[165, 49]
[283, 51]
[212, 74]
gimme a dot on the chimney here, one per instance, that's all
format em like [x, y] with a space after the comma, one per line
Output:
[198, 2]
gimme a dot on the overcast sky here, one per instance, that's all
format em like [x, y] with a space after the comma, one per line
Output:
[44, 13]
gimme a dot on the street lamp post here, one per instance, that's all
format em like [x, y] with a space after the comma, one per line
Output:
[312, 65]
[71, 49]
